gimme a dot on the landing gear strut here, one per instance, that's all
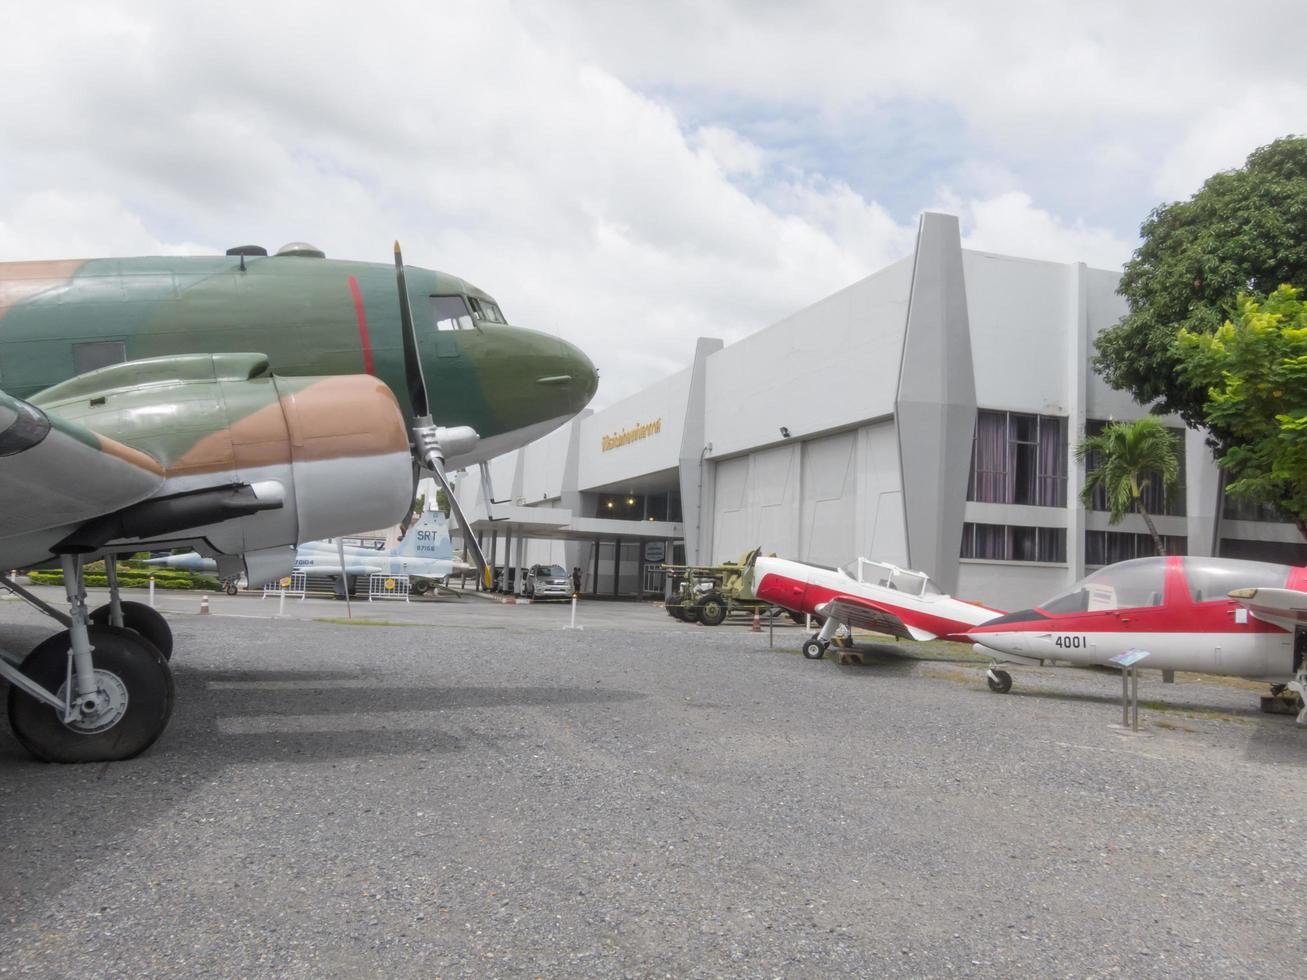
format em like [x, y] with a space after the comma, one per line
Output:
[817, 644]
[91, 693]
[1299, 685]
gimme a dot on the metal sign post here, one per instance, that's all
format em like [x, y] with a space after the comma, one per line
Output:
[1129, 664]
[344, 576]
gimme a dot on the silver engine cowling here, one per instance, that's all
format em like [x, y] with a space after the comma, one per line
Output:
[325, 455]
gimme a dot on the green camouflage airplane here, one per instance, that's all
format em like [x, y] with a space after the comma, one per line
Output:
[241, 405]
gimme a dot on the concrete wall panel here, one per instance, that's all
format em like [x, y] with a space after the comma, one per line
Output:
[663, 402]
[830, 365]
[1009, 587]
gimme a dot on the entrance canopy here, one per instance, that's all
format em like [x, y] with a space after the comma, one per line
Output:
[558, 524]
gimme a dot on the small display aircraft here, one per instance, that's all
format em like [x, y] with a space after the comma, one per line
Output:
[867, 594]
[1207, 615]
[425, 554]
[245, 403]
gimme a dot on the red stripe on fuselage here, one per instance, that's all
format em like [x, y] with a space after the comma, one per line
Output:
[363, 324]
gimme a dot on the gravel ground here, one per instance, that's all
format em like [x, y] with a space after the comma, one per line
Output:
[488, 794]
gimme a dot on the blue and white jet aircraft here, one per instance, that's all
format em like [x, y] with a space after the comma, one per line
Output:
[425, 554]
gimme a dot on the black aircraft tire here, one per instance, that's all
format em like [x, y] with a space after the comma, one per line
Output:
[230, 588]
[132, 661]
[712, 610]
[1000, 682]
[676, 612]
[814, 649]
[140, 618]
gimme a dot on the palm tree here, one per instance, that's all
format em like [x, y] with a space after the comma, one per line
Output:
[1128, 455]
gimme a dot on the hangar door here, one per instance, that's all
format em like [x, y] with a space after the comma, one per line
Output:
[830, 495]
[755, 503]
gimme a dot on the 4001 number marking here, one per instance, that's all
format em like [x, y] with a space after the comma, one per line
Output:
[1071, 642]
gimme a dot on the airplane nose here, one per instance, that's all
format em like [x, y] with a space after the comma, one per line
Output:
[585, 378]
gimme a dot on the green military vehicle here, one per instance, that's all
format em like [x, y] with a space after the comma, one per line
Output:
[709, 593]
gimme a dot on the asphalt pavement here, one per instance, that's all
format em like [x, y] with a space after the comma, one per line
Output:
[478, 791]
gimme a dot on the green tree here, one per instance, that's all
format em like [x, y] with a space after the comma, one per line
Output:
[1244, 232]
[1254, 372]
[419, 505]
[1128, 456]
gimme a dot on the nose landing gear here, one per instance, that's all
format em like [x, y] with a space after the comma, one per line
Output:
[1000, 681]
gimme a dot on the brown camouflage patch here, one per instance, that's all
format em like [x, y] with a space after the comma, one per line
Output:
[21, 281]
[333, 418]
[129, 455]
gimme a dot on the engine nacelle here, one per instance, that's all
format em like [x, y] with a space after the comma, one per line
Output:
[337, 446]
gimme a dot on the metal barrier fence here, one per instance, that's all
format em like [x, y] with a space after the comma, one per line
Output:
[382, 586]
[295, 584]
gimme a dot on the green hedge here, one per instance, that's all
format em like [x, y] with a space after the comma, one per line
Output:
[130, 578]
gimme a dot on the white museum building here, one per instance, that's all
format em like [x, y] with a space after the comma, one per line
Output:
[925, 416]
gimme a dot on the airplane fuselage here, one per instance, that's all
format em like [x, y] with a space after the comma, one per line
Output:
[877, 597]
[1181, 625]
[310, 316]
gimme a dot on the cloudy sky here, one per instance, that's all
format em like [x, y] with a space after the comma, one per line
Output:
[629, 176]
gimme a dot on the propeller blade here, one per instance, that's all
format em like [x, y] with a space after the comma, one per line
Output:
[417, 382]
[470, 542]
[425, 436]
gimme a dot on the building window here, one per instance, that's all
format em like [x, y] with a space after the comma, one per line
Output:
[1018, 459]
[1280, 552]
[1244, 509]
[1109, 547]
[1014, 542]
[1154, 496]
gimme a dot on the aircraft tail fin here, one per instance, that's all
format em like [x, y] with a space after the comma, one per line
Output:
[427, 537]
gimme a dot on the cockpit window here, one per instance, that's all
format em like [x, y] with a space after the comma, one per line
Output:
[486, 309]
[1215, 578]
[450, 313]
[1126, 585]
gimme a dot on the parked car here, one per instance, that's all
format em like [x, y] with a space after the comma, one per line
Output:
[548, 582]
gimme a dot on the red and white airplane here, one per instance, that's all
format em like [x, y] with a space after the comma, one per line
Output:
[867, 594]
[1208, 615]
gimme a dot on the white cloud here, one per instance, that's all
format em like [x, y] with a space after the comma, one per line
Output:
[1011, 224]
[1221, 139]
[536, 149]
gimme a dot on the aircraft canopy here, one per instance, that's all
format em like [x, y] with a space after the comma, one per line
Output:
[889, 576]
[1142, 582]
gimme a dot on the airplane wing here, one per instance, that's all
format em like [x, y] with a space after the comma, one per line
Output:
[868, 615]
[1286, 608]
[57, 472]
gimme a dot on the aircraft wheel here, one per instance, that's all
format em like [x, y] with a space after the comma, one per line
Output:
[1000, 681]
[142, 619]
[420, 587]
[230, 588]
[134, 699]
[814, 649]
[712, 610]
[795, 618]
[676, 612]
